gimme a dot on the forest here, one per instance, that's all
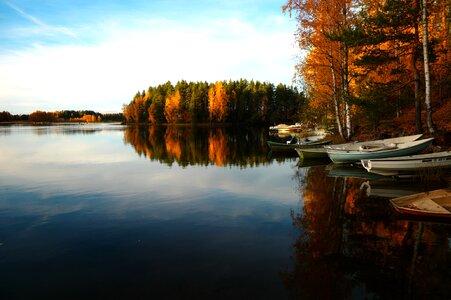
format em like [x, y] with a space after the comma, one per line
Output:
[85, 116]
[375, 64]
[220, 102]
[380, 67]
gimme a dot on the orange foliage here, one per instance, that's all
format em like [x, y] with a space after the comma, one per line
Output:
[441, 116]
[172, 141]
[218, 101]
[172, 107]
[90, 118]
[325, 62]
[42, 116]
[218, 149]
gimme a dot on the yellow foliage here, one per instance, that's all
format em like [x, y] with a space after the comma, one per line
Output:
[218, 101]
[172, 141]
[172, 107]
[217, 148]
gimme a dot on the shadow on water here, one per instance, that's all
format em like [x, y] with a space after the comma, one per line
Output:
[352, 245]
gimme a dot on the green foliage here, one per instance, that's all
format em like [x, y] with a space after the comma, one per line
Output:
[248, 101]
[378, 103]
[5, 116]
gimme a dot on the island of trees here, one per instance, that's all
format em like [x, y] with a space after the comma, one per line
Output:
[220, 102]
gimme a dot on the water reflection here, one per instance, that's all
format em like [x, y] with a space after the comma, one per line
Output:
[352, 245]
[83, 216]
[187, 145]
[61, 128]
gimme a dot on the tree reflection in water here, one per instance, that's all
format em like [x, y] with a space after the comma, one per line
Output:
[352, 246]
[196, 145]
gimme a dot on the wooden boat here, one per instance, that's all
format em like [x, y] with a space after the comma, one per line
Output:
[372, 151]
[375, 143]
[280, 128]
[286, 128]
[395, 165]
[312, 153]
[435, 203]
[303, 143]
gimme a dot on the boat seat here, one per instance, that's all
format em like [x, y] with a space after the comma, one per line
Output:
[377, 147]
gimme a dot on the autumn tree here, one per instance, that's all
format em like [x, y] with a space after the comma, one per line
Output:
[156, 102]
[42, 116]
[217, 102]
[386, 42]
[370, 59]
[226, 101]
[172, 110]
[427, 75]
[319, 21]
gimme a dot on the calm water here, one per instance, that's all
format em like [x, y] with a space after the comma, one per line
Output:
[109, 212]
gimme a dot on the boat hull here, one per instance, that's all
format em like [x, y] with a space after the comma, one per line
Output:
[281, 147]
[395, 165]
[312, 153]
[351, 156]
[432, 204]
[358, 145]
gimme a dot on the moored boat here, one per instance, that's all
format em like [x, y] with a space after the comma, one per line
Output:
[434, 203]
[312, 153]
[303, 143]
[374, 143]
[280, 128]
[395, 165]
[286, 128]
[378, 150]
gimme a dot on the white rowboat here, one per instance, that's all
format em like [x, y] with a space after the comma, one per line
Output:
[374, 144]
[394, 165]
[376, 151]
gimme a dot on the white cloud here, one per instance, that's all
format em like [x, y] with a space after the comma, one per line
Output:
[106, 75]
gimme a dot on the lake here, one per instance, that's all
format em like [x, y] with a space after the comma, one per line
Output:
[113, 212]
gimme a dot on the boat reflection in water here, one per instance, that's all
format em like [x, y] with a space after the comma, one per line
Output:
[352, 245]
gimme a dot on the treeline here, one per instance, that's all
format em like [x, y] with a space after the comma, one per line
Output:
[375, 60]
[87, 116]
[220, 102]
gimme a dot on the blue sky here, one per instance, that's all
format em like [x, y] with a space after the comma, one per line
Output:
[96, 54]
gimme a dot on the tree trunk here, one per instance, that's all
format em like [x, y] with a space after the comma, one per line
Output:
[416, 74]
[427, 81]
[335, 95]
[346, 92]
[346, 79]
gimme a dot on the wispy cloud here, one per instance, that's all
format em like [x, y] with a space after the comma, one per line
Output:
[116, 55]
[43, 27]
